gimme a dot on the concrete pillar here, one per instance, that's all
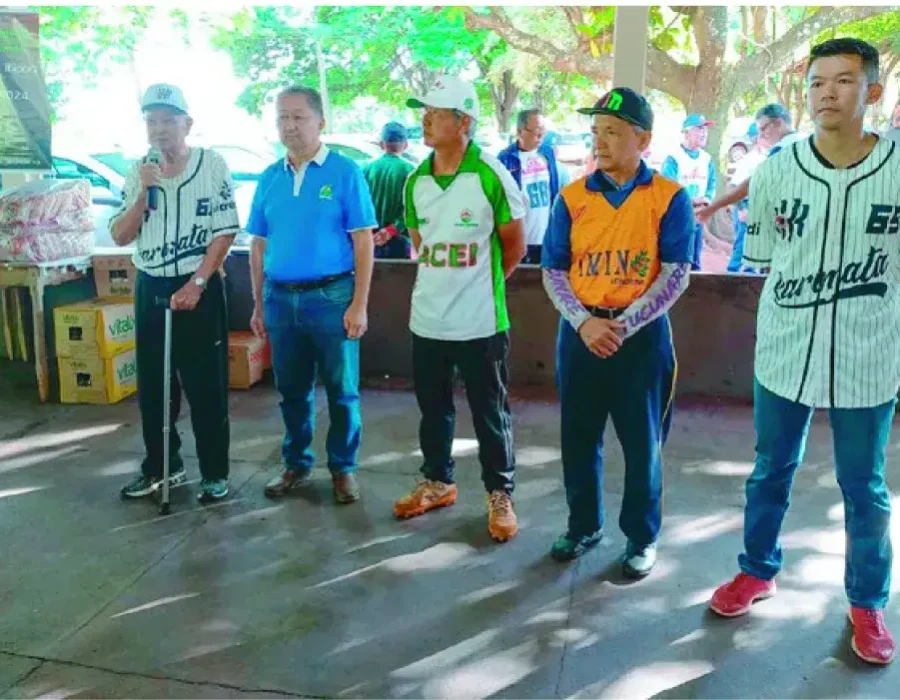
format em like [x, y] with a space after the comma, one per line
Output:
[630, 47]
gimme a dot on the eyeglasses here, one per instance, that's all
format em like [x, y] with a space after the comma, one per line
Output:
[540, 133]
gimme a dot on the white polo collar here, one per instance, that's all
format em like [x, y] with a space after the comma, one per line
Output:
[318, 159]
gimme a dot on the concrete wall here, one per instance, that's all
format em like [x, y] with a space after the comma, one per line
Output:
[714, 326]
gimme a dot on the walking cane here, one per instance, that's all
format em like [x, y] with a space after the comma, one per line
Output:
[165, 302]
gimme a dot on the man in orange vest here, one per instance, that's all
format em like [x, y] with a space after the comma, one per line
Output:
[616, 257]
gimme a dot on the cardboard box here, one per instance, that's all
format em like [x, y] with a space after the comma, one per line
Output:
[114, 272]
[97, 379]
[248, 358]
[95, 328]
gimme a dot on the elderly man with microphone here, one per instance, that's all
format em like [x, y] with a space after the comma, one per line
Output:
[180, 215]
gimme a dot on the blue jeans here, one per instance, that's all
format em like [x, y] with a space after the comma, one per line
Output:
[860, 436]
[698, 248]
[740, 232]
[634, 388]
[306, 331]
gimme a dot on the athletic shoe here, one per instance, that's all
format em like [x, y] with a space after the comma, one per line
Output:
[568, 547]
[737, 596]
[871, 640]
[142, 486]
[638, 562]
[212, 490]
[427, 495]
[502, 522]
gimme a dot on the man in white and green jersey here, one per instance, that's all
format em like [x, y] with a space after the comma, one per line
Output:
[465, 215]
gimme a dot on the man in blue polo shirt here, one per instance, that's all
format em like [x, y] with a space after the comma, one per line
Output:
[311, 264]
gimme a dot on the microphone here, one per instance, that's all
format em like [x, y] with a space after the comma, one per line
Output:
[153, 156]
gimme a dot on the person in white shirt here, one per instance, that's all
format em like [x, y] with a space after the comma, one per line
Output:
[465, 215]
[694, 169]
[742, 171]
[893, 133]
[775, 133]
[824, 217]
[532, 163]
[179, 247]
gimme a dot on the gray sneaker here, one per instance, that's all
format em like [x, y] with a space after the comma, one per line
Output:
[638, 562]
[142, 486]
[289, 480]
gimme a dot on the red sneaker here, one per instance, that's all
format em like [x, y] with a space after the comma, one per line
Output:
[735, 598]
[871, 640]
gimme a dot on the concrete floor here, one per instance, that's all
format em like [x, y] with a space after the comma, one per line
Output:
[300, 597]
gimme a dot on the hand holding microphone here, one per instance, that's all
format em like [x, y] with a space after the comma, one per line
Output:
[151, 174]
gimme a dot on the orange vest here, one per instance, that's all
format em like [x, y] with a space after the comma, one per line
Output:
[615, 252]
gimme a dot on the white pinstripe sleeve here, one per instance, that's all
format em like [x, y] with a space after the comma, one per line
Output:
[131, 191]
[761, 233]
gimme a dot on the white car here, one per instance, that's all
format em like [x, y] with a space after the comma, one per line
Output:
[107, 188]
[106, 172]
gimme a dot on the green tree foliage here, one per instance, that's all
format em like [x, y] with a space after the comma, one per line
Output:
[385, 52]
[80, 44]
[691, 55]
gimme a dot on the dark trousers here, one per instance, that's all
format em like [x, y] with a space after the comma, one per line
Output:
[397, 248]
[533, 255]
[483, 366]
[199, 364]
[634, 387]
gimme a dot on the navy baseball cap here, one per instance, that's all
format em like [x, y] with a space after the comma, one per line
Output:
[693, 120]
[774, 111]
[394, 132]
[626, 104]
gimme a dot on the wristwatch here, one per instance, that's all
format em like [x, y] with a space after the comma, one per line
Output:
[200, 282]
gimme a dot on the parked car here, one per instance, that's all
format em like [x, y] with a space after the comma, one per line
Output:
[107, 170]
[573, 148]
[107, 188]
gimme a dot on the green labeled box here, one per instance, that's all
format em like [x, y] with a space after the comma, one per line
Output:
[96, 328]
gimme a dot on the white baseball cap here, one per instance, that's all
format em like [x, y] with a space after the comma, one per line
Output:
[164, 95]
[449, 92]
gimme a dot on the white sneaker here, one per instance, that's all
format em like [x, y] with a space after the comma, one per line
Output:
[638, 562]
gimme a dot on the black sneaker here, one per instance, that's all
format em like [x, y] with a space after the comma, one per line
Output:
[568, 547]
[142, 486]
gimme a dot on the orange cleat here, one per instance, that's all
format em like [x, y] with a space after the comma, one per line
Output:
[502, 522]
[427, 495]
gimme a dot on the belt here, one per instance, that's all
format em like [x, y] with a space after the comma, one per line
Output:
[603, 312]
[308, 285]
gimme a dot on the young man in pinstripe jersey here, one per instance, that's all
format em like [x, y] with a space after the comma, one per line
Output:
[825, 218]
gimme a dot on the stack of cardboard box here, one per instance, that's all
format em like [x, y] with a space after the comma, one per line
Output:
[248, 356]
[95, 350]
[114, 273]
[248, 359]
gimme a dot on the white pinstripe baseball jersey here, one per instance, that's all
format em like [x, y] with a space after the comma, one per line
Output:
[194, 208]
[828, 327]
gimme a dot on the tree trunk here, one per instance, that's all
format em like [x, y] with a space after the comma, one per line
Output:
[759, 25]
[504, 97]
[889, 63]
[744, 45]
